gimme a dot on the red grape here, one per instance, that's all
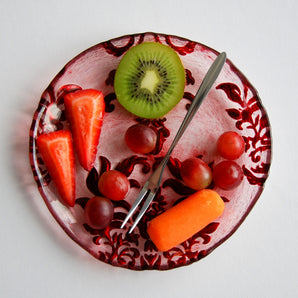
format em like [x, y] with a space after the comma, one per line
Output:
[99, 212]
[113, 185]
[140, 138]
[227, 174]
[195, 173]
[230, 145]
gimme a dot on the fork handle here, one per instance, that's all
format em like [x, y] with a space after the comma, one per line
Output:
[204, 88]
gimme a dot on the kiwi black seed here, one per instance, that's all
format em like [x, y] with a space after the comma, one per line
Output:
[150, 80]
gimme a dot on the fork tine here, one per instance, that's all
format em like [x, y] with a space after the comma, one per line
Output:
[143, 210]
[140, 197]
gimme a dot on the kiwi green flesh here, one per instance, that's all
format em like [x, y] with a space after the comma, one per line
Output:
[150, 80]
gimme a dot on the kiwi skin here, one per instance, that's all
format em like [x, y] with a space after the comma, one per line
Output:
[150, 80]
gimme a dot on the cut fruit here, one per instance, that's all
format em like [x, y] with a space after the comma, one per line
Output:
[85, 111]
[56, 150]
[150, 80]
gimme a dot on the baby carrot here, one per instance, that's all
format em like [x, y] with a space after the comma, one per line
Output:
[182, 221]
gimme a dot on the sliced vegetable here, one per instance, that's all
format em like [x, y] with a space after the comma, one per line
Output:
[182, 221]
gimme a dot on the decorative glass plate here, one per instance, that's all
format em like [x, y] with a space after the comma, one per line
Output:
[232, 104]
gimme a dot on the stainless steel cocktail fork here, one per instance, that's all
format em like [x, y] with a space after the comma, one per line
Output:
[151, 187]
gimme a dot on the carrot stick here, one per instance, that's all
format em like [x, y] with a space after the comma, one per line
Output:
[182, 221]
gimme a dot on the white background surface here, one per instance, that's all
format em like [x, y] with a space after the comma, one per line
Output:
[37, 259]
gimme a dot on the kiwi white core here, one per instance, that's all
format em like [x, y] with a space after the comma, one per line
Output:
[150, 80]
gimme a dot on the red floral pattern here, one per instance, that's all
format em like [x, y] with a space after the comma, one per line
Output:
[250, 115]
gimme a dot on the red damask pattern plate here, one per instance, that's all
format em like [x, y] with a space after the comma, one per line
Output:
[232, 104]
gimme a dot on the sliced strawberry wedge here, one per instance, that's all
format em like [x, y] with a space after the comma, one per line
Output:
[85, 111]
[57, 153]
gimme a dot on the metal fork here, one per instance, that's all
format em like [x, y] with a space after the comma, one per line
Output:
[151, 187]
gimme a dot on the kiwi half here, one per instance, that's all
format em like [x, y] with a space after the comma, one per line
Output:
[149, 80]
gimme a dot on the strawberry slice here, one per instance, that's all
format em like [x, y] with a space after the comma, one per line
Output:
[57, 153]
[85, 111]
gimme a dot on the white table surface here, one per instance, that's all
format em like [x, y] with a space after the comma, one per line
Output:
[39, 37]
